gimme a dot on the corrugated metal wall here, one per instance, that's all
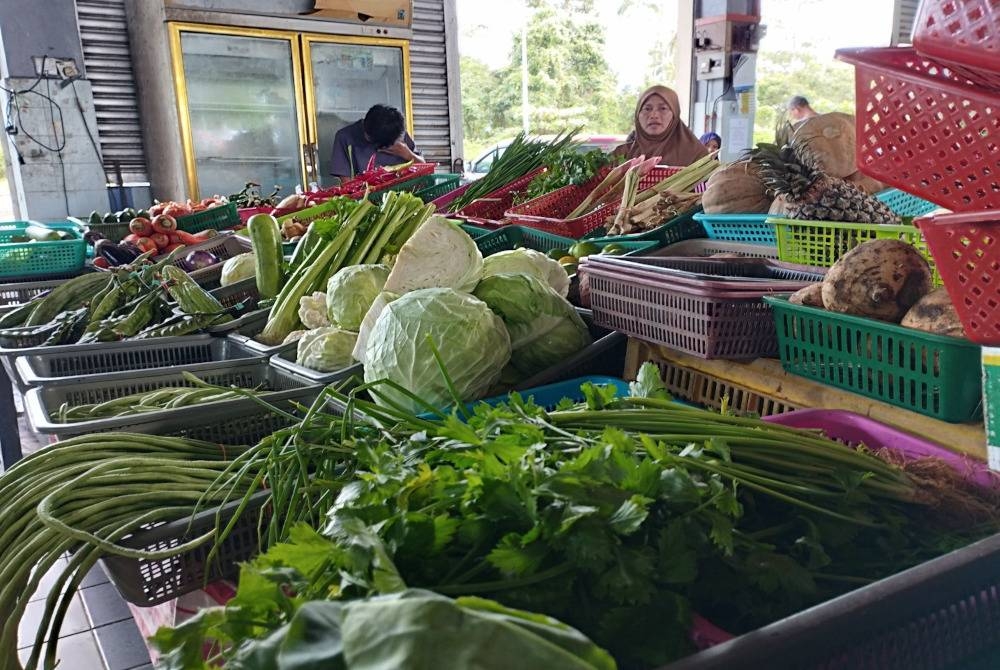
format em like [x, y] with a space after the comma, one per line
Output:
[108, 66]
[429, 74]
[904, 17]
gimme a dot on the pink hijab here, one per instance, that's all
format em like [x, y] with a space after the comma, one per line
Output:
[676, 145]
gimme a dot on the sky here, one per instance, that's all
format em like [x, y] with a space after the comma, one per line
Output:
[486, 28]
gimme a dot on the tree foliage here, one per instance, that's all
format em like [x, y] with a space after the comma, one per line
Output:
[828, 84]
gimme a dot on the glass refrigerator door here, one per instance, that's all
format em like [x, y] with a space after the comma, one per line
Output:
[344, 79]
[240, 92]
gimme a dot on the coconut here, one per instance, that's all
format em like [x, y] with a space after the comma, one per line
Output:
[935, 313]
[879, 279]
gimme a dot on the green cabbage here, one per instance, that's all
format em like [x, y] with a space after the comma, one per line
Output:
[326, 349]
[471, 340]
[438, 255]
[238, 268]
[312, 310]
[544, 327]
[367, 323]
[351, 292]
[523, 261]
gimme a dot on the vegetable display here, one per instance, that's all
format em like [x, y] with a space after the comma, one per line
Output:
[518, 159]
[351, 292]
[567, 167]
[131, 302]
[168, 397]
[618, 516]
[360, 233]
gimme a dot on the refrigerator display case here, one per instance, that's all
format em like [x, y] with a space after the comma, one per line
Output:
[264, 105]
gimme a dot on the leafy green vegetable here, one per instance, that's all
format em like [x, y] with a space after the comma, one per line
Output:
[472, 342]
[568, 167]
[238, 268]
[326, 349]
[544, 327]
[351, 292]
[524, 261]
[438, 255]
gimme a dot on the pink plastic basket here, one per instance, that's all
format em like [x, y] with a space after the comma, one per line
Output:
[925, 129]
[492, 206]
[964, 35]
[709, 318]
[854, 429]
[548, 212]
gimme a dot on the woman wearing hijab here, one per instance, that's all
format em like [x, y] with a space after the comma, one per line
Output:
[712, 141]
[659, 131]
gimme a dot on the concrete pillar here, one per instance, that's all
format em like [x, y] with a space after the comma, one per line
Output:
[57, 113]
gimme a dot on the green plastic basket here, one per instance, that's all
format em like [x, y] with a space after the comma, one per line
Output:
[418, 183]
[440, 184]
[217, 218]
[678, 229]
[115, 232]
[512, 237]
[906, 204]
[821, 243]
[475, 232]
[918, 371]
[40, 259]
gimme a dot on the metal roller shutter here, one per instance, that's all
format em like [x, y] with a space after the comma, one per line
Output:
[429, 76]
[904, 17]
[107, 64]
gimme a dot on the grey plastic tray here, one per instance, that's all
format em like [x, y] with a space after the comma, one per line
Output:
[50, 366]
[242, 294]
[706, 247]
[285, 360]
[253, 325]
[278, 384]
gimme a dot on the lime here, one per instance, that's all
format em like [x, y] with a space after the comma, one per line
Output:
[614, 250]
[581, 249]
[569, 260]
[556, 254]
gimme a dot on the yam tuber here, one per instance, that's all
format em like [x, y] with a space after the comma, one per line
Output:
[879, 279]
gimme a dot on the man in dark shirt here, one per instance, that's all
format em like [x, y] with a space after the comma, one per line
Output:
[377, 140]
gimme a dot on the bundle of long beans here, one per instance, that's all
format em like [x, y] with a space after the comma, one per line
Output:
[169, 397]
[80, 496]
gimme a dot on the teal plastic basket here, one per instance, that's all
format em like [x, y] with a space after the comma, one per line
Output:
[906, 204]
[550, 395]
[25, 260]
[216, 218]
[678, 229]
[440, 184]
[512, 237]
[749, 228]
[414, 185]
[475, 232]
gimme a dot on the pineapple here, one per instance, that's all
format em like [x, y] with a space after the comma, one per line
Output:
[810, 194]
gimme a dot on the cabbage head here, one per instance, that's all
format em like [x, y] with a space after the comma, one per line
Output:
[523, 261]
[238, 268]
[438, 255]
[312, 310]
[544, 327]
[367, 323]
[326, 349]
[351, 292]
[471, 340]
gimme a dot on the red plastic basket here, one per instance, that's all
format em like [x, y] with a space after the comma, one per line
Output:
[926, 130]
[962, 34]
[492, 206]
[548, 212]
[966, 250]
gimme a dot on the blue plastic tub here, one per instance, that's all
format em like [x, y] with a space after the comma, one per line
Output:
[550, 395]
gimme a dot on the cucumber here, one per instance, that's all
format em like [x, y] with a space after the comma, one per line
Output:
[42, 233]
[265, 239]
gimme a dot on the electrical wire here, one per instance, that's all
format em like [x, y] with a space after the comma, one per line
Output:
[16, 125]
[726, 89]
[86, 126]
[52, 120]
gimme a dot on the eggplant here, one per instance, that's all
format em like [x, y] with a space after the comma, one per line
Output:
[115, 254]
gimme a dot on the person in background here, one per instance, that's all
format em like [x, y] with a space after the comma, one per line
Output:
[660, 132]
[378, 140]
[712, 141]
[797, 110]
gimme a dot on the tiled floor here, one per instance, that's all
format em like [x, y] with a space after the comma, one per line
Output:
[98, 632]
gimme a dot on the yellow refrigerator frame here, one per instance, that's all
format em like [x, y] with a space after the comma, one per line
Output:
[302, 76]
